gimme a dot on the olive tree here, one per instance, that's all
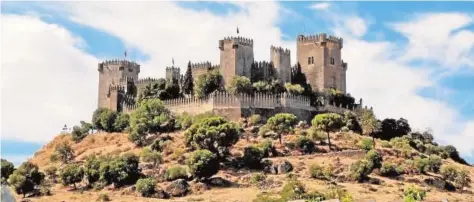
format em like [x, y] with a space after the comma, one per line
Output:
[239, 84]
[150, 117]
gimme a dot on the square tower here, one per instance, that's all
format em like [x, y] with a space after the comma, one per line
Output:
[236, 57]
[320, 59]
[281, 62]
[173, 75]
[113, 73]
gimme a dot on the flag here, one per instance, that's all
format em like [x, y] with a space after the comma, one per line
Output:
[125, 53]
[237, 30]
[172, 60]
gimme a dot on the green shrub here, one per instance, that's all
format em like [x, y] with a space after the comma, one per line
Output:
[375, 158]
[51, 173]
[263, 131]
[389, 169]
[267, 147]
[91, 169]
[305, 145]
[320, 172]
[255, 119]
[385, 144]
[366, 144]
[449, 172]
[146, 186]
[203, 164]
[176, 172]
[184, 121]
[318, 135]
[121, 170]
[434, 163]
[361, 169]
[25, 178]
[148, 155]
[71, 174]
[462, 179]
[252, 157]
[421, 164]
[413, 194]
[258, 177]
[292, 190]
[103, 197]
[336, 193]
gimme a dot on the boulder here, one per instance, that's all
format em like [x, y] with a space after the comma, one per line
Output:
[178, 187]
[279, 167]
[159, 193]
[219, 182]
[199, 187]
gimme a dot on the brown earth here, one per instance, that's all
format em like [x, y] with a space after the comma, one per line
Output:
[345, 154]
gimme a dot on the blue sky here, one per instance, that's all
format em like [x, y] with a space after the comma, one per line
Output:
[406, 59]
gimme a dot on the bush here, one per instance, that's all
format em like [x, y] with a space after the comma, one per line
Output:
[389, 169]
[121, 171]
[148, 155]
[305, 145]
[366, 144]
[452, 152]
[318, 135]
[150, 117]
[103, 197]
[462, 179]
[184, 121]
[434, 163]
[203, 164]
[80, 132]
[258, 177]
[375, 158]
[449, 172]
[421, 164]
[91, 169]
[320, 172]
[6, 169]
[64, 152]
[212, 134]
[263, 130]
[160, 143]
[292, 190]
[252, 157]
[413, 194]
[26, 178]
[176, 172]
[71, 174]
[208, 83]
[255, 120]
[146, 186]
[268, 149]
[51, 173]
[385, 144]
[121, 123]
[361, 169]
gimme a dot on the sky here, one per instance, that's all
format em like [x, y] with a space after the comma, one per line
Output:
[405, 59]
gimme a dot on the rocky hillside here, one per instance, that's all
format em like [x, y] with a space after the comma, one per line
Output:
[291, 168]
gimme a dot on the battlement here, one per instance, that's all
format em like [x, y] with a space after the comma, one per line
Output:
[116, 88]
[322, 37]
[344, 65]
[280, 50]
[239, 40]
[147, 80]
[172, 68]
[201, 65]
[120, 63]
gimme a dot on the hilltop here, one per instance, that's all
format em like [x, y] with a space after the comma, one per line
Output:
[245, 185]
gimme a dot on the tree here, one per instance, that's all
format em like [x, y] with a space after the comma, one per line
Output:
[282, 123]
[7, 169]
[351, 122]
[148, 155]
[51, 173]
[370, 124]
[203, 163]
[391, 128]
[26, 178]
[71, 174]
[146, 186]
[188, 84]
[65, 152]
[239, 85]
[329, 122]
[294, 89]
[150, 117]
[107, 120]
[96, 121]
[121, 122]
[80, 132]
[213, 134]
[208, 83]
[123, 170]
[253, 156]
[91, 169]
[160, 84]
[262, 87]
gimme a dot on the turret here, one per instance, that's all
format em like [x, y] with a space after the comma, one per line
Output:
[236, 57]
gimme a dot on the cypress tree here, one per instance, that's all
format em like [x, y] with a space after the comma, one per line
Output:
[188, 84]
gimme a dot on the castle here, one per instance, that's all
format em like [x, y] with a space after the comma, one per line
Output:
[319, 57]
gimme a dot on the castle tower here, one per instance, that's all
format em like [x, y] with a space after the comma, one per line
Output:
[236, 57]
[173, 75]
[113, 73]
[281, 62]
[320, 60]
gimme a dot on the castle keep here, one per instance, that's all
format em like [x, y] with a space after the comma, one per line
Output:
[318, 56]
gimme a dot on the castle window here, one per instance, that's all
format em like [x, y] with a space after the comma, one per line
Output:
[332, 61]
[130, 69]
[310, 60]
[121, 68]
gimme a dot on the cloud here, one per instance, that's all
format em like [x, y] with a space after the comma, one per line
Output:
[47, 80]
[439, 37]
[320, 6]
[164, 30]
[356, 25]
[391, 84]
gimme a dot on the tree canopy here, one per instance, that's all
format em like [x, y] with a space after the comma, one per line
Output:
[328, 122]
[208, 83]
[282, 123]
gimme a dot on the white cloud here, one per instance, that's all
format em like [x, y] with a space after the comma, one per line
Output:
[164, 30]
[439, 37]
[356, 25]
[47, 81]
[320, 6]
[390, 84]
